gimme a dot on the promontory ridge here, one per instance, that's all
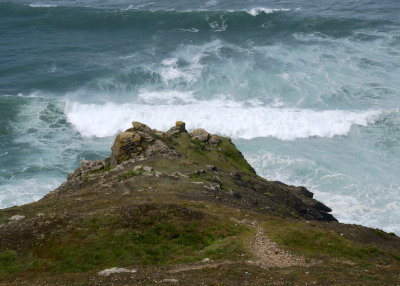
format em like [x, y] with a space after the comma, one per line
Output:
[185, 208]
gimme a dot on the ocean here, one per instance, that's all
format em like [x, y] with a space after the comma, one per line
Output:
[308, 90]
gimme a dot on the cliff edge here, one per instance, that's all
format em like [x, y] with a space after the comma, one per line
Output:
[185, 208]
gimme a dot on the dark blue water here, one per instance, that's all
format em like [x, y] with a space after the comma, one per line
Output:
[309, 90]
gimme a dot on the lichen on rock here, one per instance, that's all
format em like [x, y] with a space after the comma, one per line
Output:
[140, 140]
[179, 127]
[200, 134]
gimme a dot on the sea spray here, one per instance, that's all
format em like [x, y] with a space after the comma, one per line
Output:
[228, 118]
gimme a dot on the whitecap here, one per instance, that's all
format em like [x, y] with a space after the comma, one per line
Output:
[223, 117]
[41, 5]
[218, 26]
[260, 10]
[191, 30]
[166, 97]
[192, 55]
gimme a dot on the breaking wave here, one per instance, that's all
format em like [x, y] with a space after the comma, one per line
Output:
[227, 118]
[259, 10]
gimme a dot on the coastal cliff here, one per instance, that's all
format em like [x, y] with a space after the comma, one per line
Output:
[185, 208]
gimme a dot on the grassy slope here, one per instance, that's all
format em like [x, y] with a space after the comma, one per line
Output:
[66, 239]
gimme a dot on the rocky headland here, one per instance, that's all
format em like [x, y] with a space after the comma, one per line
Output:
[185, 208]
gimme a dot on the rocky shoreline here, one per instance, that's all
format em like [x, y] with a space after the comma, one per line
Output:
[180, 202]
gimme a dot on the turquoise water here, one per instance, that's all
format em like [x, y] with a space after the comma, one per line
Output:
[309, 90]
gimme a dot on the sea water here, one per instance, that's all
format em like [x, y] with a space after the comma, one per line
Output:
[308, 90]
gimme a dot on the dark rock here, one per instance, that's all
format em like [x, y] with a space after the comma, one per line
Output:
[237, 196]
[321, 207]
[303, 191]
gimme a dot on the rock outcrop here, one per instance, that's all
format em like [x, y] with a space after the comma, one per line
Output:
[140, 141]
[184, 207]
[233, 182]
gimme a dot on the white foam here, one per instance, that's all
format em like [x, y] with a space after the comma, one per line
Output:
[356, 197]
[191, 30]
[51, 149]
[169, 61]
[171, 71]
[191, 56]
[259, 10]
[354, 209]
[35, 94]
[41, 5]
[218, 26]
[166, 97]
[223, 117]
[23, 191]
[211, 3]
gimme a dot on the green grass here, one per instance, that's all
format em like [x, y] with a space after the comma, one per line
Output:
[196, 150]
[159, 137]
[327, 243]
[107, 168]
[129, 174]
[160, 243]
[380, 233]
[198, 177]
[4, 219]
[203, 153]
[229, 151]
[7, 261]
[158, 236]
[315, 242]
[383, 234]
[195, 143]
[396, 256]
[227, 247]
[102, 221]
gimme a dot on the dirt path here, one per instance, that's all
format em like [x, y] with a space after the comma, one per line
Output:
[267, 253]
